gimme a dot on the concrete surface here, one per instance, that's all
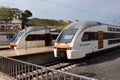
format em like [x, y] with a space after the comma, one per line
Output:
[19, 52]
[3, 47]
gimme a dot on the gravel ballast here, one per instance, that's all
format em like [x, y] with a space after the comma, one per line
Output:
[103, 66]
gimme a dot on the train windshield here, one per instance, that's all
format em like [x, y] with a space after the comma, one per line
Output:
[18, 35]
[67, 36]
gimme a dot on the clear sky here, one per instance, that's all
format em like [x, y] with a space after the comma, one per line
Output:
[107, 11]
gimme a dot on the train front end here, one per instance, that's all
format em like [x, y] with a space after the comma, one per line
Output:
[15, 42]
[63, 44]
[13, 45]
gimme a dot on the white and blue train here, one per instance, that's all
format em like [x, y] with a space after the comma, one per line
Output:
[32, 37]
[81, 38]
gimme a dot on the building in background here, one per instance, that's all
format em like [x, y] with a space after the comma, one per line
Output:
[13, 25]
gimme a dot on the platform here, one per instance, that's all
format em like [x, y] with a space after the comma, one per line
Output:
[3, 46]
[19, 52]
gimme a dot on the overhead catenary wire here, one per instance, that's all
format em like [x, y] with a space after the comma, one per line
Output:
[70, 7]
[94, 7]
[97, 8]
[59, 4]
[102, 11]
[80, 10]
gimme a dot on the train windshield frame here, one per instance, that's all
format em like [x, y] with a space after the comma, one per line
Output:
[18, 35]
[66, 36]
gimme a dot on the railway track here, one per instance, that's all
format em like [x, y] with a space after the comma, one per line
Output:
[26, 71]
[20, 70]
[61, 65]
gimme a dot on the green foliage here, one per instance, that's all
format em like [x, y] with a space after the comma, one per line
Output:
[5, 13]
[46, 22]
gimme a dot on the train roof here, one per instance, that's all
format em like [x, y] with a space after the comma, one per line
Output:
[31, 29]
[39, 28]
[86, 24]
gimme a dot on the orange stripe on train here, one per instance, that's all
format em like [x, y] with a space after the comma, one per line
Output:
[13, 44]
[62, 46]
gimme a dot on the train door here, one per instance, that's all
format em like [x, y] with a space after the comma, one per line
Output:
[100, 39]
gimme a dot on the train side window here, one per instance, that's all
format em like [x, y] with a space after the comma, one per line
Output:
[33, 37]
[85, 37]
[89, 36]
[113, 41]
[111, 35]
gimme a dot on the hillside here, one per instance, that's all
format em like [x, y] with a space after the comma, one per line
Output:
[46, 22]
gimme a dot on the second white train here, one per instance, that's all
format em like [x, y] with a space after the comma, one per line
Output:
[33, 37]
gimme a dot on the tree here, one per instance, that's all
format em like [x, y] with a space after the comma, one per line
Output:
[46, 22]
[6, 14]
[25, 15]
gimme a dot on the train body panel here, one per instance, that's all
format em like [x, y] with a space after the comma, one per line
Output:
[84, 38]
[31, 37]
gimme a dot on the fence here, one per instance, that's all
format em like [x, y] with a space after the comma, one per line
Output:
[20, 70]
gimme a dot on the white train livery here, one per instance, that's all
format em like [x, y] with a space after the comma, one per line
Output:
[81, 38]
[31, 37]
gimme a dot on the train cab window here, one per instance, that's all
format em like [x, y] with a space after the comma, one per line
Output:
[18, 36]
[89, 36]
[67, 36]
[33, 37]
